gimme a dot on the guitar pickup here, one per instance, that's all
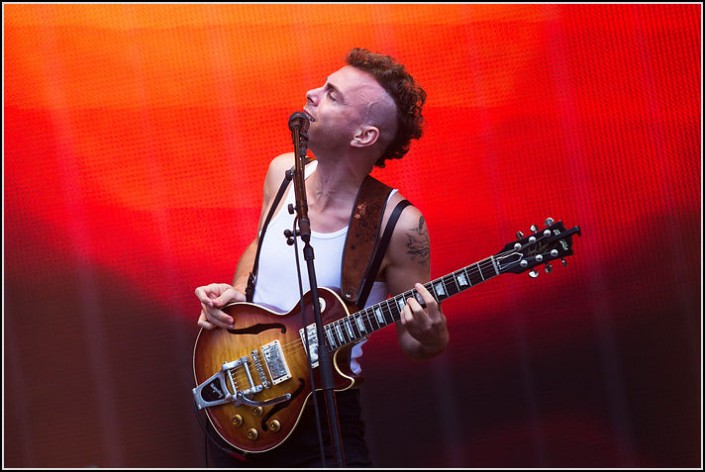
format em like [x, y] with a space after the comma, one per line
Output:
[276, 362]
[312, 342]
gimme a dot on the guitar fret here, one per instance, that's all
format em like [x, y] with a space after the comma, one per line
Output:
[439, 289]
[389, 312]
[349, 329]
[401, 303]
[460, 277]
[454, 288]
[367, 317]
[329, 335]
[476, 276]
[462, 281]
[339, 332]
[479, 271]
[379, 316]
[419, 298]
[494, 265]
[360, 324]
[372, 318]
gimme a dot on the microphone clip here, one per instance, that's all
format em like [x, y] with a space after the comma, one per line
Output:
[298, 125]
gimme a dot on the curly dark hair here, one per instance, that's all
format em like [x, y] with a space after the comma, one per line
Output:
[408, 96]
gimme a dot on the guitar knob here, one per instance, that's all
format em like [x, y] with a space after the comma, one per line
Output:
[534, 228]
[549, 221]
[258, 411]
[237, 420]
[520, 235]
[275, 425]
[252, 434]
[548, 268]
[533, 274]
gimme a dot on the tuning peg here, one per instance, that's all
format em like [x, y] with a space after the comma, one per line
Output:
[534, 228]
[520, 235]
[548, 268]
[564, 262]
[533, 274]
[549, 221]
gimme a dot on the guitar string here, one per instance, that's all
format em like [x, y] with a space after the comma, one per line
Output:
[368, 315]
[240, 376]
[369, 318]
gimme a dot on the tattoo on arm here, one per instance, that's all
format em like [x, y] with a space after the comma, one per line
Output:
[418, 246]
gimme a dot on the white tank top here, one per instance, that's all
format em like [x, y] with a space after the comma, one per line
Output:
[277, 281]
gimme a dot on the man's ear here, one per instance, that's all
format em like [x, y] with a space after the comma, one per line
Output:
[365, 137]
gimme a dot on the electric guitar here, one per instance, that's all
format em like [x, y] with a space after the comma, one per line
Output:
[253, 379]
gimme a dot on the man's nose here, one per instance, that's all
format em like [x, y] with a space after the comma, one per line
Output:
[312, 96]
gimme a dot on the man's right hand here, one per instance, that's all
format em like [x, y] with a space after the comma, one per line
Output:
[213, 298]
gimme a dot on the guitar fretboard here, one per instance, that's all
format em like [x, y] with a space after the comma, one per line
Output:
[358, 325]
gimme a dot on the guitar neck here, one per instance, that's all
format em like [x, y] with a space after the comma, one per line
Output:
[525, 253]
[361, 324]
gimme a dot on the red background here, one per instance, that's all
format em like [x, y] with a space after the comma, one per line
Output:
[136, 139]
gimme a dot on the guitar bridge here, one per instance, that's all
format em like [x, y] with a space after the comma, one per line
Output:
[221, 387]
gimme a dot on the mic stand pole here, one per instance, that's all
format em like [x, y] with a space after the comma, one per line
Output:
[298, 123]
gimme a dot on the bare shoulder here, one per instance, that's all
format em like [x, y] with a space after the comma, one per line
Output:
[275, 174]
[277, 167]
[282, 161]
[410, 244]
[272, 181]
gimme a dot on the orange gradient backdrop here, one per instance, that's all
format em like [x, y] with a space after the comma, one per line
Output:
[136, 138]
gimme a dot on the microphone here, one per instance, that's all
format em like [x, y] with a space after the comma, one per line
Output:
[299, 121]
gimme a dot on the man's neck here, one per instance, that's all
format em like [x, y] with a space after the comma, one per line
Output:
[336, 181]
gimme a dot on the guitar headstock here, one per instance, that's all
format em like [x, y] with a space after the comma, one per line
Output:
[541, 247]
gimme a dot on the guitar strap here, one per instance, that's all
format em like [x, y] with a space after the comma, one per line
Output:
[363, 252]
[252, 279]
[378, 255]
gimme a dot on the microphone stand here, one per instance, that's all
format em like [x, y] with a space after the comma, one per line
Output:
[298, 124]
